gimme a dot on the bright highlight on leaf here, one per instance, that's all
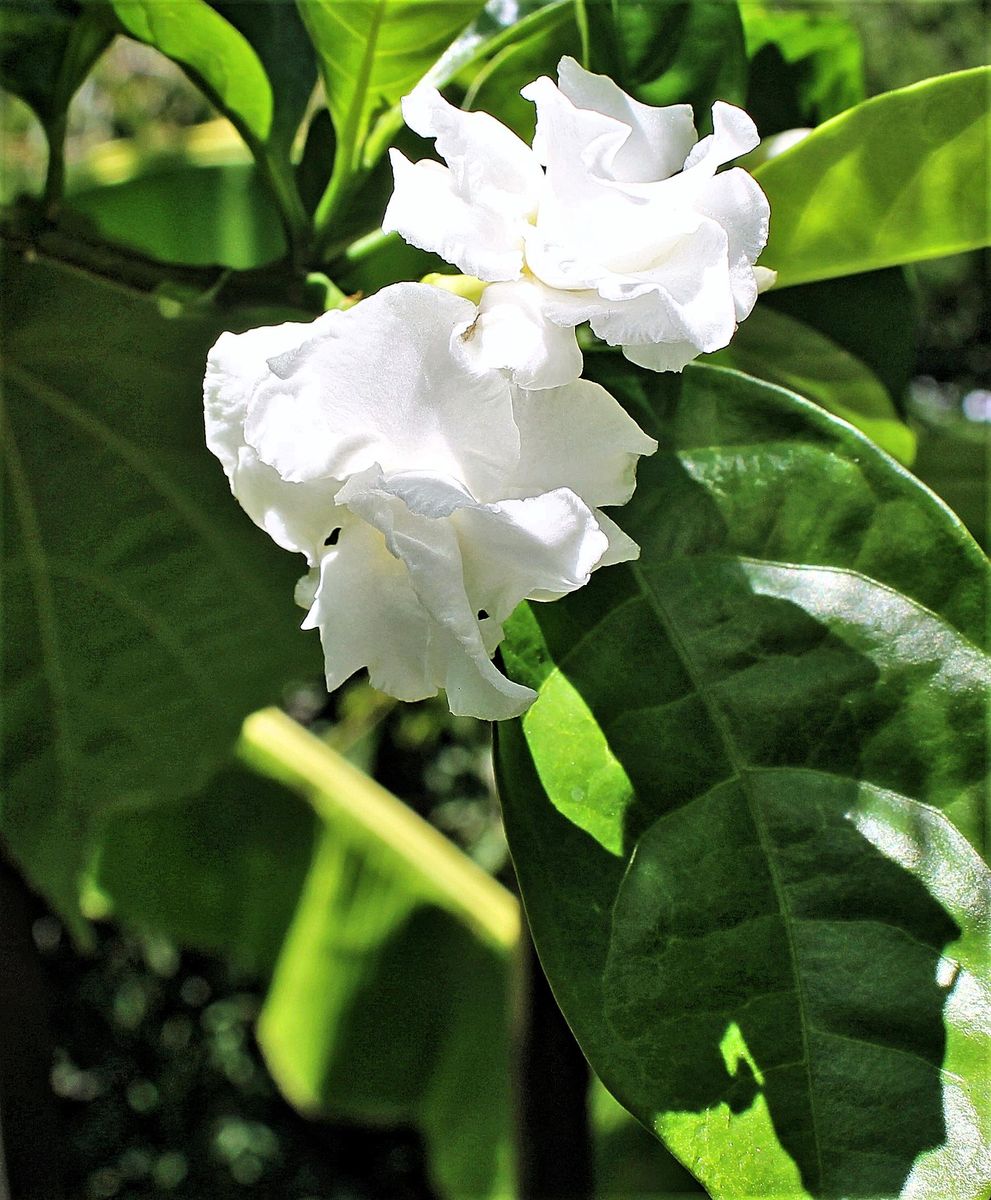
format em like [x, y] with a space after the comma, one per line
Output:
[616, 216]
[428, 494]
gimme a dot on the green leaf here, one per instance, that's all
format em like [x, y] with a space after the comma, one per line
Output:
[277, 35]
[670, 52]
[219, 871]
[900, 178]
[46, 51]
[514, 58]
[371, 53]
[806, 66]
[775, 347]
[236, 223]
[212, 50]
[224, 64]
[390, 1000]
[144, 614]
[874, 316]
[739, 808]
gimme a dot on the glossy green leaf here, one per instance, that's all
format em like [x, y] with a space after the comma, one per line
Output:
[46, 51]
[806, 65]
[390, 1000]
[371, 53]
[744, 807]
[900, 178]
[775, 347]
[276, 33]
[514, 58]
[670, 52]
[144, 614]
[236, 221]
[873, 316]
[212, 50]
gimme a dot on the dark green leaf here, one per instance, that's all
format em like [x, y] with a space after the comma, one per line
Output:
[739, 808]
[873, 316]
[805, 65]
[276, 33]
[144, 614]
[782, 350]
[46, 50]
[900, 178]
[220, 871]
[670, 51]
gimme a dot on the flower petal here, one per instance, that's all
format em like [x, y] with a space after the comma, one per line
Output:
[512, 333]
[733, 134]
[577, 437]
[427, 211]
[407, 511]
[473, 211]
[297, 516]
[388, 381]
[659, 140]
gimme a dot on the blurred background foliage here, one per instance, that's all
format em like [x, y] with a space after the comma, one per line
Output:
[161, 1085]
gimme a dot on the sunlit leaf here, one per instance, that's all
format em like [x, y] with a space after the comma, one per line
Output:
[740, 808]
[900, 178]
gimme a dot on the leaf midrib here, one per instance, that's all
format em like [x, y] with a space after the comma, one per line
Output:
[742, 775]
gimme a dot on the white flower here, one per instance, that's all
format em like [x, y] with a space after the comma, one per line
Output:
[616, 216]
[429, 494]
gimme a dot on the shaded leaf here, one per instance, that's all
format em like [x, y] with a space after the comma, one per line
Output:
[46, 50]
[236, 225]
[144, 613]
[900, 178]
[219, 871]
[806, 66]
[775, 347]
[670, 52]
[709, 802]
[872, 315]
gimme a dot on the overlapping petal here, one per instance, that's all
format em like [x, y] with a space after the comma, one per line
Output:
[429, 494]
[631, 227]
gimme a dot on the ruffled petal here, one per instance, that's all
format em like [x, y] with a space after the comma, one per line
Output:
[409, 512]
[512, 333]
[621, 548]
[473, 211]
[490, 165]
[297, 516]
[428, 212]
[733, 134]
[735, 201]
[387, 382]
[577, 437]
[659, 140]
[542, 546]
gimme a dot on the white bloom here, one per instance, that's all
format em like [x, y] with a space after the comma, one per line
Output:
[615, 216]
[429, 494]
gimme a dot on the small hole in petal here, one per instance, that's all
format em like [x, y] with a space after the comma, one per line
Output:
[482, 614]
[331, 538]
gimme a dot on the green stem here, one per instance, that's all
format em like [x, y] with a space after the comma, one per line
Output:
[55, 131]
[282, 182]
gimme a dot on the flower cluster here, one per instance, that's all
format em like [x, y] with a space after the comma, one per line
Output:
[437, 462]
